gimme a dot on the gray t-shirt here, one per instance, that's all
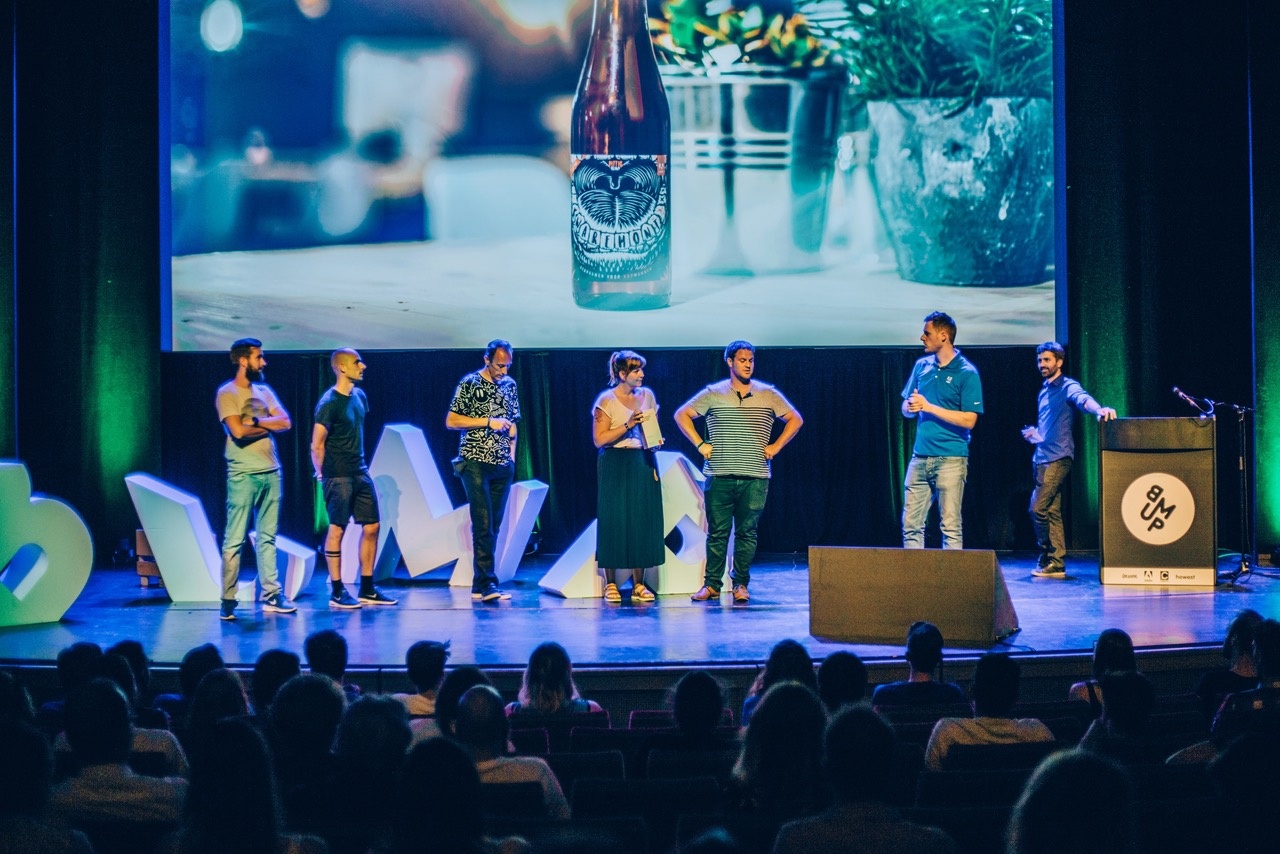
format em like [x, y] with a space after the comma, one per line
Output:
[248, 456]
[739, 426]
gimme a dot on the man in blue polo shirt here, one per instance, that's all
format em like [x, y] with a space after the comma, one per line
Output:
[1055, 448]
[944, 395]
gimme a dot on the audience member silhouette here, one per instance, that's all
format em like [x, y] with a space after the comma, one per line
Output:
[368, 753]
[995, 693]
[140, 662]
[303, 723]
[1241, 673]
[106, 788]
[842, 680]
[481, 727]
[425, 662]
[1122, 732]
[1247, 776]
[220, 695]
[778, 775]
[1258, 709]
[15, 700]
[438, 804]
[238, 761]
[326, 653]
[193, 667]
[924, 659]
[1075, 803]
[697, 704]
[788, 661]
[1112, 653]
[548, 687]
[25, 778]
[117, 668]
[272, 669]
[76, 665]
[452, 687]
[858, 761]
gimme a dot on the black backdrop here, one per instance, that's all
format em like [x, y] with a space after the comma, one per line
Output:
[1161, 184]
[838, 483]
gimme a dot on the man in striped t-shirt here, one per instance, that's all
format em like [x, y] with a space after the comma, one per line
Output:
[739, 415]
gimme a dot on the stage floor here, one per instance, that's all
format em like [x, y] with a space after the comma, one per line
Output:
[1056, 616]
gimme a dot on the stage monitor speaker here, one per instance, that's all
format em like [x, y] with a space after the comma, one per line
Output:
[861, 595]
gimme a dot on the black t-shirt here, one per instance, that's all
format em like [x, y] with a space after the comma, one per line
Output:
[343, 416]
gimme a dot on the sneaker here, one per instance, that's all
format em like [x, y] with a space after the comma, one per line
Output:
[278, 603]
[342, 599]
[1051, 570]
[374, 596]
[705, 594]
[228, 610]
[493, 594]
[740, 595]
[641, 593]
[611, 593]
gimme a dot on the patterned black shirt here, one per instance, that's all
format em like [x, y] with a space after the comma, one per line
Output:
[477, 397]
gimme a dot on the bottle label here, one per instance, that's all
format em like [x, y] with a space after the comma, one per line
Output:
[621, 221]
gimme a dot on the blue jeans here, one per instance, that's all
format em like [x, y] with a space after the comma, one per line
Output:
[732, 502]
[1046, 510]
[928, 477]
[486, 486]
[258, 494]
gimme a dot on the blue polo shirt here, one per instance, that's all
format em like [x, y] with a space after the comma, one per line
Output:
[955, 386]
[1055, 418]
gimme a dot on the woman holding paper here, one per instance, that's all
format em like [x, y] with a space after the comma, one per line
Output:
[629, 530]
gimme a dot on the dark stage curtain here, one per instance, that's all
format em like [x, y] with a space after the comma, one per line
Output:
[838, 483]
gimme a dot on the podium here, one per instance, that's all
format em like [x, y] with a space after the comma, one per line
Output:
[1158, 501]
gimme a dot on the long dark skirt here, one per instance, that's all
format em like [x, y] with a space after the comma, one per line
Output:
[629, 510]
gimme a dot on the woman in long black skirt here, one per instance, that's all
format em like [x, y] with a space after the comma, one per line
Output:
[629, 531]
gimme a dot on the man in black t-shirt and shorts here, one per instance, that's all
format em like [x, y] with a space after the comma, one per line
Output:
[337, 452]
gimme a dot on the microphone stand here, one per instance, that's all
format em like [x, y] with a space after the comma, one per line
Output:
[1247, 557]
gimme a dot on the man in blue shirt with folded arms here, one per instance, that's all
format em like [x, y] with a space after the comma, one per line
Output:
[1055, 448]
[944, 395]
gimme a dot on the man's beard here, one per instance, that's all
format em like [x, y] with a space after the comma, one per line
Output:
[253, 376]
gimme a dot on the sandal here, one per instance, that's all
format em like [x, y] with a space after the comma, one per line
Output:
[640, 593]
[611, 593]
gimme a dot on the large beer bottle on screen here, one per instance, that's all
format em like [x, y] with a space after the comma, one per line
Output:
[620, 152]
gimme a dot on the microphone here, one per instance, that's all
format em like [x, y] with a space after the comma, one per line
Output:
[1188, 398]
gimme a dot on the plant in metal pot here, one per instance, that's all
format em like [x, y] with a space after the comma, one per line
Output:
[755, 100]
[959, 97]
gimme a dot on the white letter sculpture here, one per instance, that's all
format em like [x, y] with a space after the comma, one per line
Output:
[429, 531]
[46, 552]
[575, 574]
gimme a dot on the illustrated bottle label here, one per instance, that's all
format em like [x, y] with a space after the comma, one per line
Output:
[621, 216]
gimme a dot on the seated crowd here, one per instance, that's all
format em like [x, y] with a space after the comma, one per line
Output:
[303, 762]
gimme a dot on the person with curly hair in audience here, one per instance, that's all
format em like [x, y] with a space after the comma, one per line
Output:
[548, 687]
[778, 775]
[239, 761]
[788, 661]
[857, 761]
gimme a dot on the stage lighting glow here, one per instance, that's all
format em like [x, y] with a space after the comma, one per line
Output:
[221, 26]
[313, 8]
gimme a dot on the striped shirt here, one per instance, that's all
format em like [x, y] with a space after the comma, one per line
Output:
[739, 426]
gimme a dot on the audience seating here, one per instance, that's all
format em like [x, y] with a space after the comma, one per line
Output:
[924, 714]
[517, 800]
[598, 764]
[684, 764]
[665, 719]
[970, 788]
[559, 727]
[530, 742]
[977, 757]
[659, 802]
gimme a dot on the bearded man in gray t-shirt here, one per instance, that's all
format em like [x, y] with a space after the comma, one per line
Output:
[250, 413]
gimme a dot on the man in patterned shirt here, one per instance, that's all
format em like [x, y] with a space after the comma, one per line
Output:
[485, 408]
[740, 413]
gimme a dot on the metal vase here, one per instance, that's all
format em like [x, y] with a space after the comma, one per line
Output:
[752, 157]
[967, 196]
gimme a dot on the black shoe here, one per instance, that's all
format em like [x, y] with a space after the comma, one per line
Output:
[1051, 570]
[374, 596]
[342, 599]
[228, 610]
[493, 594]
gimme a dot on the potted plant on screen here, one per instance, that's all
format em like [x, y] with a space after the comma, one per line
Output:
[959, 97]
[755, 113]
